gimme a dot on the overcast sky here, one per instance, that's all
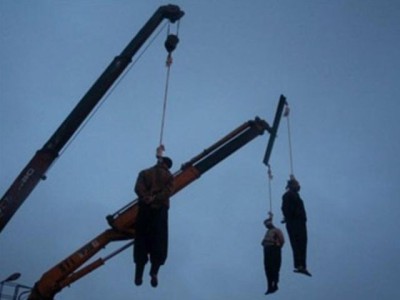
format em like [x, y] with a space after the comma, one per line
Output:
[336, 61]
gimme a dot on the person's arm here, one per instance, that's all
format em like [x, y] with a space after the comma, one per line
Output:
[264, 240]
[166, 187]
[287, 207]
[280, 237]
[141, 188]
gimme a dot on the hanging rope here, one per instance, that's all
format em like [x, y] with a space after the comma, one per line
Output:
[164, 110]
[270, 187]
[170, 45]
[109, 93]
[286, 114]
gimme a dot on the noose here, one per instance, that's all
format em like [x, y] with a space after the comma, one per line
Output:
[170, 45]
[270, 177]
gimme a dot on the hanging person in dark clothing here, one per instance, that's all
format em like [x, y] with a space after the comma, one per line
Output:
[272, 243]
[154, 186]
[296, 219]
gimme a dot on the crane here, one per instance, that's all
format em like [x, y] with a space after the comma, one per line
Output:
[122, 223]
[37, 167]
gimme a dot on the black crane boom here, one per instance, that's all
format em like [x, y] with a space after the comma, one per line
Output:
[37, 167]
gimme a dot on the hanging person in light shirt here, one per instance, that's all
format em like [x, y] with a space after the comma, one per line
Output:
[272, 243]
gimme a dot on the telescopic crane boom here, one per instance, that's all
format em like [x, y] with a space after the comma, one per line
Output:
[37, 167]
[122, 223]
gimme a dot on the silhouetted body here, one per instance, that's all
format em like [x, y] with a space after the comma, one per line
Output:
[153, 187]
[296, 219]
[272, 244]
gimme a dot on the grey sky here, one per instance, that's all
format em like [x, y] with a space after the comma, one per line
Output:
[337, 62]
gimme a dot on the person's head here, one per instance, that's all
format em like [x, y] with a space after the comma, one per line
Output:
[293, 185]
[166, 161]
[268, 223]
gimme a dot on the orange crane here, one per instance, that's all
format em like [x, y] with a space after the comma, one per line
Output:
[122, 222]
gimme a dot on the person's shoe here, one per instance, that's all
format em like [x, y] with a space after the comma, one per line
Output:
[138, 281]
[154, 281]
[271, 291]
[305, 272]
[275, 288]
[302, 270]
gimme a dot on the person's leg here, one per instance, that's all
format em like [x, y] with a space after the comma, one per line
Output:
[139, 273]
[270, 265]
[278, 264]
[140, 248]
[274, 268]
[154, 274]
[303, 245]
[293, 238]
[302, 250]
[267, 270]
[159, 242]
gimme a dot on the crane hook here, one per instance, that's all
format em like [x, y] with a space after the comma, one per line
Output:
[171, 42]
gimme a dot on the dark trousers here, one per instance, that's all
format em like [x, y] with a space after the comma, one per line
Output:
[151, 241]
[272, 264]
[297, 232]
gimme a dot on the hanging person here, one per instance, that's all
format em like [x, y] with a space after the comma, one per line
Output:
[295, 218]
[272, 245]
[154, 186]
